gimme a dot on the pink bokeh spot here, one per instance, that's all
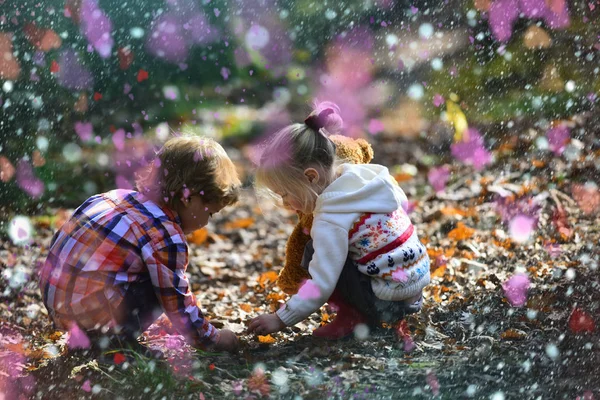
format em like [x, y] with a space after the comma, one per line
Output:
[73, 74]
[118, 139]
[27, 180]
[438, 100]
[84, 130]
[552, 249]
[472, 150]
[409, 344]
[558, 137]
[174, 32]
[400, 275]
[521, 228]
[375, 126]
[77, 338]
[87, 386]
[515, 289]
[309, 290]
[123, 183]
[97, 27]
[504, 13]
[438, 177]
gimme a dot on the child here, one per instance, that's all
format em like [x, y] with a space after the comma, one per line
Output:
[364, 256]
[120, 261]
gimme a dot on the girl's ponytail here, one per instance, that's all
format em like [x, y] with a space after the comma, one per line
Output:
[325, 119]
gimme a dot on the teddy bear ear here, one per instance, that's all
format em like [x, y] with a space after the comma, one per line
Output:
[366, 149]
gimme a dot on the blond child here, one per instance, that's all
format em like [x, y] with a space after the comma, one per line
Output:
[120, 261]
[365, 256]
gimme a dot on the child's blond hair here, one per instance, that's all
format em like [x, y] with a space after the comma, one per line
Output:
[297, 147]
[187, 165]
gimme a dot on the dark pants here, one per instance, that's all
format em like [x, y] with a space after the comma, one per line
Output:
[139, 309]
[355, 289]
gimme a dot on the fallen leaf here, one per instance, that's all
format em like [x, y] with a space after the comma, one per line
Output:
[439, 272]
[453, 211]
[241, 223]
[461, 232]
[198, 237]
[513, 334]
[267, 277]
[268, 339]
[246, 307]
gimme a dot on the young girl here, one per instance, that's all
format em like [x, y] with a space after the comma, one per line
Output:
[364, 256]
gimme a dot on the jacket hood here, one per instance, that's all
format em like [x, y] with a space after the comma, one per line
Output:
[362, 188]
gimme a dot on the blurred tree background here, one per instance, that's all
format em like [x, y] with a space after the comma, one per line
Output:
[90, 88]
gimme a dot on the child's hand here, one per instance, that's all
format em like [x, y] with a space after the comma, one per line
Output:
[227, 341]
[265, 324]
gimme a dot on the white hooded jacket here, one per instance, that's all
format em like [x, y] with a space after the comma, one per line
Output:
[361, 214]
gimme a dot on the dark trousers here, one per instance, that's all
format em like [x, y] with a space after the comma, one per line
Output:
[355, 289]
[138, 310]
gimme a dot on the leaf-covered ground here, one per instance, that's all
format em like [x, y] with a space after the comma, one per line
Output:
[468, 341]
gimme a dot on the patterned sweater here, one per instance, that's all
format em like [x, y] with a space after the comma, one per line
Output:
[386, 247]
[361, 214]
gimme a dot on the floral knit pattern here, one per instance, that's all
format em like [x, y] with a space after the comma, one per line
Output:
[386, 248]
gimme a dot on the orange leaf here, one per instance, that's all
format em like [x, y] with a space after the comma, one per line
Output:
[403, 177]
[241, 223]
[198, 237]
[266, 339]
[439, 272]
[461, 232]
[453, 211]
[267, 277]
[513, 334]
[56, 335]
[275, 297]
[246, 307]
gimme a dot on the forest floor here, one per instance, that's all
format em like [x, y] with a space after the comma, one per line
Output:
[467, 342]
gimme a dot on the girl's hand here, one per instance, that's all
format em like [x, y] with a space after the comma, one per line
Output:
[265, 324]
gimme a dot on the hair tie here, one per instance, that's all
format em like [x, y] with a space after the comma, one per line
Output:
[317, 121]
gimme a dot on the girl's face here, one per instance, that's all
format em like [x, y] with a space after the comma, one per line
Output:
[290, 202]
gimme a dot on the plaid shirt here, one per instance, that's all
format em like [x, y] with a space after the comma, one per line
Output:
[111, 241]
